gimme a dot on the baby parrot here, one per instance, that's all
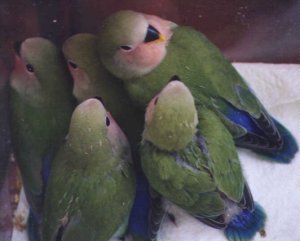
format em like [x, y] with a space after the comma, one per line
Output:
[41, 108]
[146, 51]
[92, 79]
[91, 186]
[197, 170]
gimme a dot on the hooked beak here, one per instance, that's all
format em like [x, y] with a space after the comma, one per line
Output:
[154, 35]
[161, 39]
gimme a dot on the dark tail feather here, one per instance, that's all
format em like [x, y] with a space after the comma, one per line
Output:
[246, 224]
[219, 222]
[269, 149]
[33, 227]
[264, 135]
[138, 225]
[267, 125]
[247, 199]
[138, 238]
[216, 222]
[289, 147]
[156, 216]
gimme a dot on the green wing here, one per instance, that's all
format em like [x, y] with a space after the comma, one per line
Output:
[209, 73]
[202, 67]
[223, 159]
[86, 200]
[37, 132]
[187, 184]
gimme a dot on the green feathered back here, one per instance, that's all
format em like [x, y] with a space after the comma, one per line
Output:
[202, 175]
[222, 155]
[37, 132]
[201, 66]
[41, 107]
[184, 183]
[92, 79]
[92, 185]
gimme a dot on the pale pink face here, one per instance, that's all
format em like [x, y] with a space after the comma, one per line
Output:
[143, 56]
[150, 109]
[81, 80]
[32, 66]
[140, 56]
[149, 53]
[114, 133]
[23, 78]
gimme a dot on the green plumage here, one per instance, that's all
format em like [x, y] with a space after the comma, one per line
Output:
[41, 107]
[146, 52]
[171, 134]
[195, 191]
[205, 80]
[92, 79]
[197, 176]
[91, 186]
[189, 56]
[222, 156]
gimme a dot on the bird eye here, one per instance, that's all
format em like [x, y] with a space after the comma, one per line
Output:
[107, 121]
[30, 68]
[126, 47]
[73, 65]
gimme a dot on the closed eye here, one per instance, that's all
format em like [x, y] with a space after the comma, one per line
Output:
[126, 47]
[73, 65]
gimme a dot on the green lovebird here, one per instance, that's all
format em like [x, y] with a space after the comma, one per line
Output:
[92, 185]
[197, 170]
[92, 79]
[146, 52]
[41, 108]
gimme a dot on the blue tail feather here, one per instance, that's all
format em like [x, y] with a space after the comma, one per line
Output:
[34, 218]
[139, 216]
[33, 227]
[246, 224]
[289, 149]
[242, 118]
